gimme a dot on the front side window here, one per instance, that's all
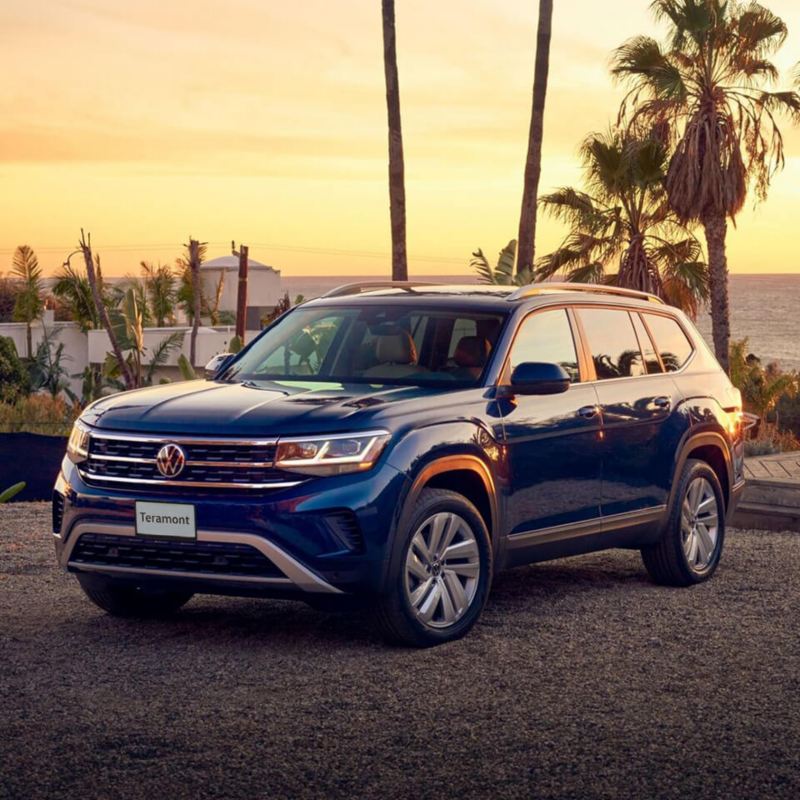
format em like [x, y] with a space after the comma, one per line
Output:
[373, 344]
[612, 343]
[546, 337]
[673, 346]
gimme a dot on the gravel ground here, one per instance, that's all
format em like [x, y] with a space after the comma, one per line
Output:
[582, 680]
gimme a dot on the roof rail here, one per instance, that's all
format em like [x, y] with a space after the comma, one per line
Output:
[532, 289]
[361, 286]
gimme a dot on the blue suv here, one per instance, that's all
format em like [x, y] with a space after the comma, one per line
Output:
[395, 445]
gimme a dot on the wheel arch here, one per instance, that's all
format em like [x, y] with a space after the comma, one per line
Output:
[467, 475]
[712, 448]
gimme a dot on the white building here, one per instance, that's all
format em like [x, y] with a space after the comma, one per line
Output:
[263, 286]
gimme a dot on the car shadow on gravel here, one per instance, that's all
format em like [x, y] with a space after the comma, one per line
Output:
[215, 622]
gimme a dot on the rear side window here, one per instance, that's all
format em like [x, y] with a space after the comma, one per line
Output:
[546, 336]
[672, 343]
[612, 343]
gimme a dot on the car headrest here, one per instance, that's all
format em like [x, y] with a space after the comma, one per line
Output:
[396, 348]
[471, 351]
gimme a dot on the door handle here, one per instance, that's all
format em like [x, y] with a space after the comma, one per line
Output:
[587, 412]
[662, 403]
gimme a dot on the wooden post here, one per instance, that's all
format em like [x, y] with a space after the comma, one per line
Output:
[194, 268]
[241, 297]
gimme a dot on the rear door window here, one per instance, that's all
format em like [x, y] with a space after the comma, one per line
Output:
[651, 361]
[672, 343]
[612, 343]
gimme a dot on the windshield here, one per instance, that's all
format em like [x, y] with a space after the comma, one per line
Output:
[373, 344]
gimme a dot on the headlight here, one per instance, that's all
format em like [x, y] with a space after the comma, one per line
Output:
[331, 455]
[78, 445]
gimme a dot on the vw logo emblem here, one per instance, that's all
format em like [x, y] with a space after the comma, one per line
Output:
[170, 460]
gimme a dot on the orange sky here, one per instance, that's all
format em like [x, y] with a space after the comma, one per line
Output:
[264, 121]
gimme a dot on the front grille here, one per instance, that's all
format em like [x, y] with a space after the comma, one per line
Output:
[208, 558]
[216, 463]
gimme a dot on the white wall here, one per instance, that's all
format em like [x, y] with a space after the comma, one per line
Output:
[81, 349]
[76, 351]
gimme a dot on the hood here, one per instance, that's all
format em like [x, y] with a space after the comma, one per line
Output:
[262, 409]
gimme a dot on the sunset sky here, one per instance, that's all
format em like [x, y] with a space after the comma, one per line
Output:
[264, 121]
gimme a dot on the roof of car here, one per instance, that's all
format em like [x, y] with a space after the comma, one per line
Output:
[487, 297]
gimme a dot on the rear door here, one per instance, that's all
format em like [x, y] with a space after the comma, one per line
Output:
[637, 399]
[553, 441]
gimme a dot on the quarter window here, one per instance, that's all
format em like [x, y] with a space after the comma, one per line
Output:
[546, 337]
[672, 343]
[612, 343]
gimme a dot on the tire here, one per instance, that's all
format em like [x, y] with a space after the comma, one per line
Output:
[422, 606]
[690, 547]
[127, 600]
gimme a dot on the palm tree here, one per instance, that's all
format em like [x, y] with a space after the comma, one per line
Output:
[705, 85]
[533, 163]
[397, 189]
[623, 218]
[159, 282]
[72, 286]
[95, 278]
[29, 303]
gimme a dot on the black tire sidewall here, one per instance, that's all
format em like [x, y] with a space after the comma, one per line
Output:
[696, 469]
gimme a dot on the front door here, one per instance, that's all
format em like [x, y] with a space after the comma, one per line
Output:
[553, 441]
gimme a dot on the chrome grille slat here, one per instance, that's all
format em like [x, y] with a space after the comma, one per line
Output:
[210, 463]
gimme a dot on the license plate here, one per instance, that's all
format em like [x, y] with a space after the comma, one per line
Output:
[174, 520]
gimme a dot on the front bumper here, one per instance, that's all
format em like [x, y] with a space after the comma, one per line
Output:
[289, 527]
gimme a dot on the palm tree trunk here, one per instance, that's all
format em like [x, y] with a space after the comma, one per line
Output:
[102, 311]
[29, 339]
[716, 228]
[397, 190]
[526, 248]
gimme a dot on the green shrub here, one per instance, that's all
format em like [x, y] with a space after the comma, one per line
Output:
[38, 413]
[14, 381]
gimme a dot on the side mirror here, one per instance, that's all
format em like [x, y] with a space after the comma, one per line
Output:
[216, 364]
[534, 377]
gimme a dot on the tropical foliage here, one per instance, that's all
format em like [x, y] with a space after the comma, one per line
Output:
[502, 273]
[704, 86]
[11, 492]
[621, 227]
[46, 369]
[29, 303]
[14, 381]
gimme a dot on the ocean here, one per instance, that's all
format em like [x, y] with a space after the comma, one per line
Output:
[764, 308]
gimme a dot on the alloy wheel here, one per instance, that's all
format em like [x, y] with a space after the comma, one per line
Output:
[699, 524]
[442, 569]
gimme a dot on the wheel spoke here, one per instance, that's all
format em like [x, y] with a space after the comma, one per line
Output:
[705, 544]
[710, 500]
[710, 521]
[695, 495]
[418, 595]
[468, 548]
[418, 543]
[471, 569]
[451, 529]
[455, 589]
[450, 611]
[438, 525]
[416, 567]
[431, 603]
[691, 548]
